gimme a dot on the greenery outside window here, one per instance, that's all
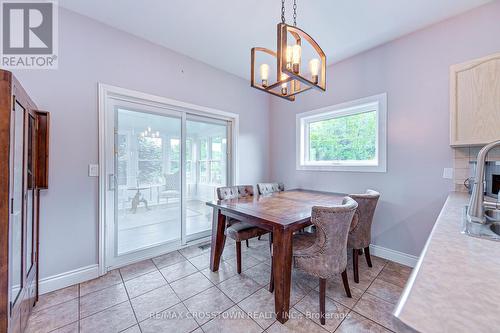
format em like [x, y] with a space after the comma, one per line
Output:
[346, 137]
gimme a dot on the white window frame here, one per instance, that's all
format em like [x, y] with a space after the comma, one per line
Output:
[376, 103]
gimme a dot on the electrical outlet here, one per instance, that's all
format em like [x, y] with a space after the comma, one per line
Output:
[93, 170]
[448, 173]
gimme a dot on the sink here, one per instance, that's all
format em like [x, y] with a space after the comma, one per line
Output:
[495, 227]
[489, 230]
[492, 215]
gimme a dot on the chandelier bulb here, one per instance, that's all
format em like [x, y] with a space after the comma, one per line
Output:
[296, 54]
[314, 68]
[264, 74]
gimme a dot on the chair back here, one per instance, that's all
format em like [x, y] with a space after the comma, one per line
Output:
[233, 192]
[328, 255]
[360, 235]
[266, 188]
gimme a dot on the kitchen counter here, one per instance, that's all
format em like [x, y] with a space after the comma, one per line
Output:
[455, 285]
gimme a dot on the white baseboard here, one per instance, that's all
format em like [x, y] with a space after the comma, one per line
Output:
[393, 255]
[69, 278]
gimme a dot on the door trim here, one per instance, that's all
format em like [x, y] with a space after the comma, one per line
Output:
[105, 92]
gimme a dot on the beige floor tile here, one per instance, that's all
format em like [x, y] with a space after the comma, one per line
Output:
[114, 319]
[356, 323]
[193, 251]
[298, 323]
[376, 309]
[168, 259]
[144, 283]
[335, 290]
[201, 262]
[260, 307]
[305, 279]
[396, 274]
[54, 317]
[298, 291]
[56, 297]
[232, 321]
[176, 319]
[239, 287]
[139, 268]
[260, 273]
[366, 277]
[226, 270]
[177, 271]
[191, 285]
[153, 302]
[334, 312]
[71, 328]
[102, 299]
[133, 329]
[111, 278]
[385, 290]
[211, 301]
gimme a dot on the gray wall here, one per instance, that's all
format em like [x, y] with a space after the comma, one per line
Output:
[89, 53]
[414, 72]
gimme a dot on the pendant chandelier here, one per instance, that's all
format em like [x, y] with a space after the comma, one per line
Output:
[291, 78]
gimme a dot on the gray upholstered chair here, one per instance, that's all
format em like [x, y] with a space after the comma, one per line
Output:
[266, 188]
[323, 253]
[238, 230]
[360, 234]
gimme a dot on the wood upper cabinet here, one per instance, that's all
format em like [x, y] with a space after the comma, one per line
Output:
[475, 102]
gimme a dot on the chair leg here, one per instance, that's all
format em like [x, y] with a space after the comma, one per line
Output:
[247, 243]
[360, 251]
[258, 238]
[238, 257]
[271, 280]
[322, 292]
[367, 256]
[346, 284]
[355, 265]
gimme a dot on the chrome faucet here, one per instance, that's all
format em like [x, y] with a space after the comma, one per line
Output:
[477, 204]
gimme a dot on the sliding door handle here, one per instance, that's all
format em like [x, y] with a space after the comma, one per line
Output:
[111, 182]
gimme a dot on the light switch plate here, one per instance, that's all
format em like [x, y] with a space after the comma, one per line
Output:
[448, 173]
[93, 170]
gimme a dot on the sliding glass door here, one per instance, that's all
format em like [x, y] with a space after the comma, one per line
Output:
[206, 169]
[162, 166]
[148, 180]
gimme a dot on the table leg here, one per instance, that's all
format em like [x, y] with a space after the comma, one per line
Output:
[218, 239]
[282, 270]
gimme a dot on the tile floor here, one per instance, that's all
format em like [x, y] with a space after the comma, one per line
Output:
[178, 293]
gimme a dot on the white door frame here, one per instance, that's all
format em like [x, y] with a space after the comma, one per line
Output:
[107, 92]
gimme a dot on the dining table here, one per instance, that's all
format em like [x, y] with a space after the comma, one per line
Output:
[283, 214]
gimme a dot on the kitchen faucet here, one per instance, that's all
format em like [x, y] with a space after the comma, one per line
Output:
[477, 204]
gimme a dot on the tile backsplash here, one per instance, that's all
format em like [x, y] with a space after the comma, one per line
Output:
[462, 166]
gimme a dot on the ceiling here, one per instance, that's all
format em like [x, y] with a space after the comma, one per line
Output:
[222, 32]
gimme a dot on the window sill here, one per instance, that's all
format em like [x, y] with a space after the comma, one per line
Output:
[343, 168]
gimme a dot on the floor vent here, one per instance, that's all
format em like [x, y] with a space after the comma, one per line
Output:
[204, 246]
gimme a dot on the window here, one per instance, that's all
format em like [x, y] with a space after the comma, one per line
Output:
[346, 137]
[150, 159]
[212, 157]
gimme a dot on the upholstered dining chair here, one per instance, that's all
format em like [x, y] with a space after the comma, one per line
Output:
[323, 254]
[360, 234]
[266, 188]
[238, 230]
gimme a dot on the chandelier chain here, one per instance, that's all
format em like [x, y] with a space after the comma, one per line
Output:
[283, 11]
[295, 13]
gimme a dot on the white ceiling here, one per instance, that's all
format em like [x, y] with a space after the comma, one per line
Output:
[222, 32]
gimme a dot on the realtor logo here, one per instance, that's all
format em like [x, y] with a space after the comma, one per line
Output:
[29, 34]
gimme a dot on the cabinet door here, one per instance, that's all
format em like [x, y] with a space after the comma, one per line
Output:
[30, 193]
[16, 190]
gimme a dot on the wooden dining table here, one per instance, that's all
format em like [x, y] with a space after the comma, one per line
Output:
[282, 213]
